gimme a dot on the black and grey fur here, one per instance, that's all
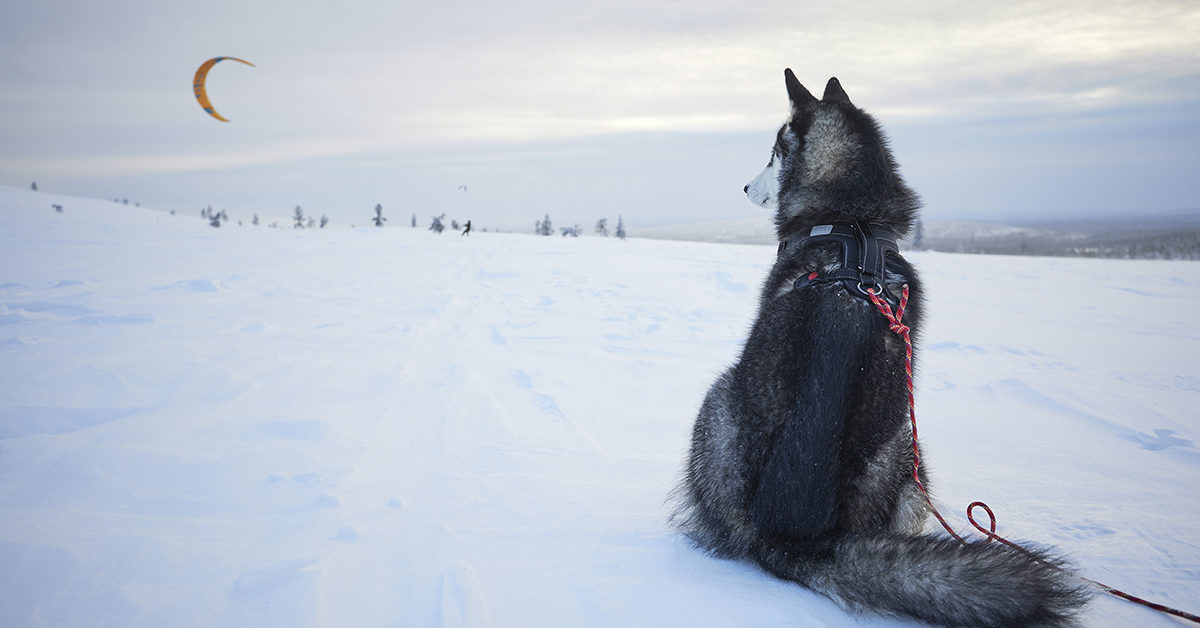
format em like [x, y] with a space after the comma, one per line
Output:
[801, 457]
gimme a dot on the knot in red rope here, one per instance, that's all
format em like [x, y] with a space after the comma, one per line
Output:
[894, 319]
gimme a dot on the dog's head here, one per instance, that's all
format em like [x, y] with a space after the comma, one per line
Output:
[829, 158]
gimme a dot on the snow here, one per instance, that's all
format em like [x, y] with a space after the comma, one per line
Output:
[388, 427]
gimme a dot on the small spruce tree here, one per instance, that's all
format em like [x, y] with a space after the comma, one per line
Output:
[299, 218]
[379, 219]
[620, 228]
[918, 241]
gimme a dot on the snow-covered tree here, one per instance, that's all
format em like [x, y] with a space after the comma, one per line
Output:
[33, 186]
[324, 220]
[620, 228]
[379, 219]
[602, 227]
[299, 218]
[414, 221]
[436, 226]
[255, 221]
[544, 226]
[918, 241]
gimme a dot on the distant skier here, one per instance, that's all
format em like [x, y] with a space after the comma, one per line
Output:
[468, 229]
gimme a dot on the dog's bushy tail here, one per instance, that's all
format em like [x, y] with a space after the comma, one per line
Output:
[935, 579]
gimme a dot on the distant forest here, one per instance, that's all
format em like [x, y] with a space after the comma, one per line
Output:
[1154, 237]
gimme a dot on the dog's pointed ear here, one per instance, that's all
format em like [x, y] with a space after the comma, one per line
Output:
[834, 92]
[799, 97]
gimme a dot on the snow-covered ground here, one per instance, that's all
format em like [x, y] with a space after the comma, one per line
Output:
[387, 427]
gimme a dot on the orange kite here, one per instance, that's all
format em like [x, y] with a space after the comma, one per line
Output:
[198, 84]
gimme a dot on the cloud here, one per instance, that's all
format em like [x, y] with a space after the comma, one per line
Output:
[89, 92]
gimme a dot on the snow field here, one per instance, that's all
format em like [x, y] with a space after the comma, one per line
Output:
[379, 427]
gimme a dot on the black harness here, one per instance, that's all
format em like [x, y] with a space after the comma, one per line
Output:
[865, 248]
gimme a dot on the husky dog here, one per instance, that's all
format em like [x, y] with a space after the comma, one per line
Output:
[802, 453]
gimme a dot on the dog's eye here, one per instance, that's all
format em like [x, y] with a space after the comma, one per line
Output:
[781, 150]
[781, 147]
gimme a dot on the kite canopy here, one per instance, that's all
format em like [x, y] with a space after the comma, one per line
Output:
[201, 76]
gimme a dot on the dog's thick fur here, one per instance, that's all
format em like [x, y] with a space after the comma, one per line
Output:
[801, 457]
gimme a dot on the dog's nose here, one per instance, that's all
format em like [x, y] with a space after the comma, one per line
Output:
[746, 189]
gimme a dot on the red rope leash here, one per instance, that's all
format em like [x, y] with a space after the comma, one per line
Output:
[902, 329]
[896, 325]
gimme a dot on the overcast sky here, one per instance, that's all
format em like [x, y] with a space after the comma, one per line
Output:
[657, 111]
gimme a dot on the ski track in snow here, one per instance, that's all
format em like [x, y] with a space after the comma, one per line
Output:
[246, 426]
